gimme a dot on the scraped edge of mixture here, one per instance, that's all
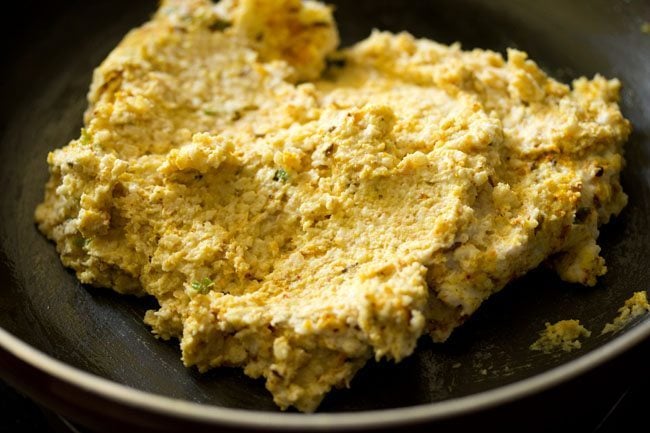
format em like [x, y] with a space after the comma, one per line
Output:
[636, 306]
[564, 335]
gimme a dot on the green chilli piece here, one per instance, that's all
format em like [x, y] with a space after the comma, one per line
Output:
[202, 286]
[281, 175]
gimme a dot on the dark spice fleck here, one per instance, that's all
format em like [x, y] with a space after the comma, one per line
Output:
[339, 62]
[581, 215]
[219, 25]
[321, 24]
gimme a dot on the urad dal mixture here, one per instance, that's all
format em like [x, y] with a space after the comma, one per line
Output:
[298, 210]
[563, 335]
[636, 306]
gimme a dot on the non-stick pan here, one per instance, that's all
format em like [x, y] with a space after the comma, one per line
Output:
[85, 351]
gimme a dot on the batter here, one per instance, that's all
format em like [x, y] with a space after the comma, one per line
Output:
[297, 210]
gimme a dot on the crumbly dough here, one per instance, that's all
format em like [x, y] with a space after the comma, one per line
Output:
[634, 307]
[296, 210]
[564, 335]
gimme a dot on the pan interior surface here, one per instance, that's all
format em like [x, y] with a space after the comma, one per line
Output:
[95, 330]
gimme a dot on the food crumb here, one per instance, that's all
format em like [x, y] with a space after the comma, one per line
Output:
[645, 27]
[456, 365]
[564, 335]
[634, 307]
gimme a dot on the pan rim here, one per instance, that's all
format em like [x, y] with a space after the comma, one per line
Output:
[272, 421]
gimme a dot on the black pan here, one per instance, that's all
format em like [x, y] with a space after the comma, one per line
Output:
[85, 351]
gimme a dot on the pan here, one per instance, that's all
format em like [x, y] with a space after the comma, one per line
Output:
[86, 353]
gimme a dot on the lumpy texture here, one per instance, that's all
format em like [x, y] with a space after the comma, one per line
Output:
[297, 210]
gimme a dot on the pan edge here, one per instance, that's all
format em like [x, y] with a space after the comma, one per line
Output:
[241, 418]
